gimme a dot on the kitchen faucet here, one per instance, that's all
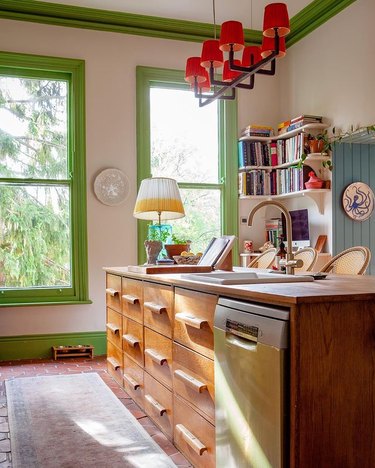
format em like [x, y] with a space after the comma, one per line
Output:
[290, 264]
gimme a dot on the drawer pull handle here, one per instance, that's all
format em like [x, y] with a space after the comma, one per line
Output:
[132, 340]
[130, 299]
[195, 322]
[190, 381]
[156, 405]
[113, 327]
[191, 440]
[155, 356]
[112, 292]
[134, 385]
[155, 308]
[114, 363]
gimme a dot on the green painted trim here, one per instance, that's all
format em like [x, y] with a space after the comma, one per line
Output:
[308, 19]
[229, 163]
[72, 71]
[39, 346]
[48, 302]
[113, 21]
[312, 16]
[148, 77]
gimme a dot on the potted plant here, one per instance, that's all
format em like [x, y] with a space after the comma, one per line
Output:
[319, 143]
[177, 246]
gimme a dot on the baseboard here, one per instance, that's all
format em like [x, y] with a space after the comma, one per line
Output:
[39, 346]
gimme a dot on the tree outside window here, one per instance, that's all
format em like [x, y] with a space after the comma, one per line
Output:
[42, 220]
[193, 145]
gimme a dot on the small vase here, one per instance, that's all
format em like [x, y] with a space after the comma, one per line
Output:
[153, 249]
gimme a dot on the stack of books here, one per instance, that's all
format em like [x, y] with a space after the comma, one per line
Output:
[302, 120]
[257, 130]
[298, 122]
[274, 230]
[283, 127]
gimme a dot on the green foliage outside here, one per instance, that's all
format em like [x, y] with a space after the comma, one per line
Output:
[34, 217]
[178, 157]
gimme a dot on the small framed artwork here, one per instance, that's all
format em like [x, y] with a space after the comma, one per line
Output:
[358, 201]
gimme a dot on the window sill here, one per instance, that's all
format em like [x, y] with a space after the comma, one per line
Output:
[36, 303]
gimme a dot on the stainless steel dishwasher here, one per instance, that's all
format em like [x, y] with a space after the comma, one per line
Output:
[251, 342]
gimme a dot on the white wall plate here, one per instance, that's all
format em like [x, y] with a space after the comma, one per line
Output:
[358, 201]
[111, 187]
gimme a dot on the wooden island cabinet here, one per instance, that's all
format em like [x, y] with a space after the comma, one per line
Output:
[160, 348]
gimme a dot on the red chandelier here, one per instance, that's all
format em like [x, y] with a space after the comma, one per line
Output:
[200, 71]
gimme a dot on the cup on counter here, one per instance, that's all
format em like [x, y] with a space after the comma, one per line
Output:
[248, 246]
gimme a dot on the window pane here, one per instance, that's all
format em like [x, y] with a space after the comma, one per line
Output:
[184, 137]
[34, 236]
[202, 220]
[33, 128]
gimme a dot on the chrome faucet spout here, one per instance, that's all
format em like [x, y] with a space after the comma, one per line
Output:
[289, 255]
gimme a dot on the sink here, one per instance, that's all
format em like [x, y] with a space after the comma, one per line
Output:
[233, 277]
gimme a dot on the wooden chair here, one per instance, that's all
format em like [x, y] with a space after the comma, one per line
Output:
[309, 256]
[353, 261]
[265, 259]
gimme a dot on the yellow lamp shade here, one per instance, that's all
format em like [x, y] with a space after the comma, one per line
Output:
[159, 198]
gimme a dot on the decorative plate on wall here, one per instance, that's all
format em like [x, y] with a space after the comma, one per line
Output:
[111, 187]
[358, 201]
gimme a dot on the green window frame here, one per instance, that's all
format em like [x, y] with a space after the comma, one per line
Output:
[148, 77]
[73, 72]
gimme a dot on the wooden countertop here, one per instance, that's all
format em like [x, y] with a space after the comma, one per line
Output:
[335, 288]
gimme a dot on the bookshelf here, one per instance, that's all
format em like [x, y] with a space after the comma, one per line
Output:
[317, 195]
[304, 129]
[268, 166]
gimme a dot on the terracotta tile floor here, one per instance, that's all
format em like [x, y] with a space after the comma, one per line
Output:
[30, 368]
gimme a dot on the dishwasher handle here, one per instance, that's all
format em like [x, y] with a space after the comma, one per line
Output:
[244, 343]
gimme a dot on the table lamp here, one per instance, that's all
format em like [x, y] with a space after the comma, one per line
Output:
[158, 198]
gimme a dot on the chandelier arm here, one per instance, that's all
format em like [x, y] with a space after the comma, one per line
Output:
[212, 97]
[270, 72]
[247, 86]
[259, 65]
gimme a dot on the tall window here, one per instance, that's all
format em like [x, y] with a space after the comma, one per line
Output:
[43, 254]
[195, 146]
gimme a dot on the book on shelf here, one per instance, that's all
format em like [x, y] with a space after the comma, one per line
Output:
[274, 229]
[307, 118]
[257, 130]
[273, 181]
[299, 124]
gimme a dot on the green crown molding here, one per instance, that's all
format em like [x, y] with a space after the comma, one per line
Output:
[39, 346]
[304, 22]
[113, 21]
[313, 16]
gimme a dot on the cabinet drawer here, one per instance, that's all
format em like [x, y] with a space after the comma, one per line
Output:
[158, 357]
[193, 379]
[132, 299]
[132, 339]
[158, 404]
[133, 380]
[193, 435]
[157, 308]
[114, 327]
[193, 320]
[114, 362]
[113, 292]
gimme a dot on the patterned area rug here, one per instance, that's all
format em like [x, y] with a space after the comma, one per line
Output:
[75, 421]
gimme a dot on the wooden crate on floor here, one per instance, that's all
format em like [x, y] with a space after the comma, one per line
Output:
[72, 351]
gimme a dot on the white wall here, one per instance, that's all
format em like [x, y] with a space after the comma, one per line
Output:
[330, 72]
